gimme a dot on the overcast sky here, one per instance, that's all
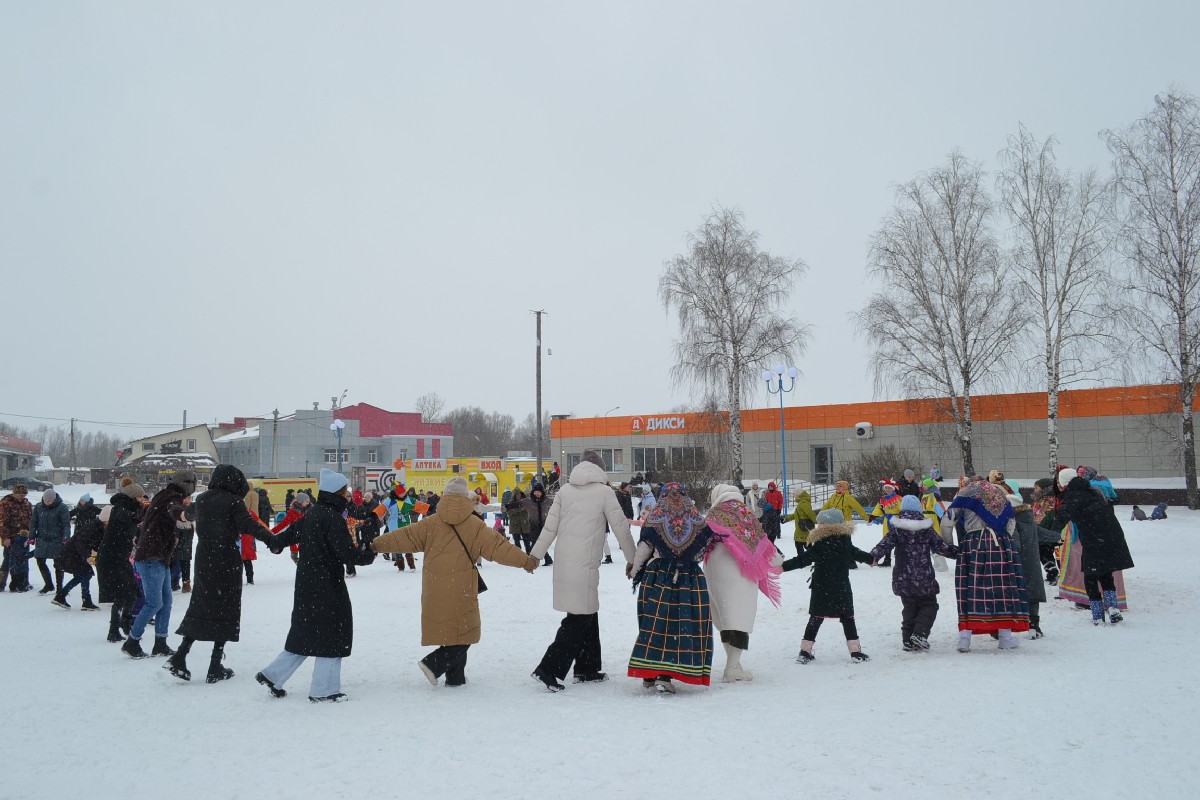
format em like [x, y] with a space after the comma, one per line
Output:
[232, 207]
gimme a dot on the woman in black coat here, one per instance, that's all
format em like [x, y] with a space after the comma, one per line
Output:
[117, 583]
[537, 508]
[1103, 544]
[89, 533]
[215, 611]
[322, 616]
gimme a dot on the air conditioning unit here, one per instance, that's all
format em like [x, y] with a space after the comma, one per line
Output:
[864, 430]
[456, 468]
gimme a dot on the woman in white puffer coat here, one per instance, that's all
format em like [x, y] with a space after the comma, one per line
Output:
[740, 562]
[577, 525]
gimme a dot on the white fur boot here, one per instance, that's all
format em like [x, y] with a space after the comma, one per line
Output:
[964, 641]
[733, 665]
[1007, 640]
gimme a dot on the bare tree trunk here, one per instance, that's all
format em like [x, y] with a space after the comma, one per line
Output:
[965, 437]
[1052, 427]
[735, 426]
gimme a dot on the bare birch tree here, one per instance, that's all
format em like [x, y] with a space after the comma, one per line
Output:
[946, 318]
[1059, 222]
[430, 405]
[1157, 165]
[729, 298]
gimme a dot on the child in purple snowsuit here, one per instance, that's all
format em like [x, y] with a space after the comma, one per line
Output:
[913, 580]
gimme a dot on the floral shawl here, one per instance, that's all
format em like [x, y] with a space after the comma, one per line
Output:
[674, 525]
[987, 500]
[734, 526]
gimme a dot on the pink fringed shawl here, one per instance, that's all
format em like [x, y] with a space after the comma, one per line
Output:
[736, 528]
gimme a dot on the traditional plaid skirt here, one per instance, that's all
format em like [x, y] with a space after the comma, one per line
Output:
[1070, 579]
[989, 584]
[675, 627]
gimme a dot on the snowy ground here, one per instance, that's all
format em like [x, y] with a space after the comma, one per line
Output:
[1085, 712]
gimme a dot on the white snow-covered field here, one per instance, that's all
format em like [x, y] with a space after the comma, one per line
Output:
[1085, 712]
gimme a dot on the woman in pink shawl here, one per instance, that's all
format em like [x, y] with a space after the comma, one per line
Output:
[740, 562]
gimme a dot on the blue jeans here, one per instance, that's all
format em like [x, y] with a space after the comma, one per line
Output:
[83, 580]
[156, 585]
[326, 678]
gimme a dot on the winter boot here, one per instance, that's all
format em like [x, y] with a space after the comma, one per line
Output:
[664, 685]
[160, 647]
[806, 652]
[1097, 612]
[549, 562]
[60, 601]
[427, 671]
[590, 677]
[114, 633]
[733, 665]
[918, 642]
[412, 562]
[187, 587]
[3, 579]
[339, 697]
[216, 672]
[607, 560]
[276, 691]
[1035, 625]
[549, 681]
[47, 589]
[88, 605]
[856, 653]
[177, 665]
[399, 563]
[964, 642]
[1007, 640]
[1114, 608]
[133, 648]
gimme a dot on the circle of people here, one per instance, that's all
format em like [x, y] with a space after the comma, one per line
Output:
[692, 571]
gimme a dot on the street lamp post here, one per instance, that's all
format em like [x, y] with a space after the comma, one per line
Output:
[774, 380]
[337, 427]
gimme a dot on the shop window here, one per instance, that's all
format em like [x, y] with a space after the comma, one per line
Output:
[649, 459]
[687, 458]
[614, 458]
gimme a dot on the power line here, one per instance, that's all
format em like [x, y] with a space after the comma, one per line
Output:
[93, 421]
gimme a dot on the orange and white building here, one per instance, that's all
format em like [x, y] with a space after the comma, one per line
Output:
[1129, 431]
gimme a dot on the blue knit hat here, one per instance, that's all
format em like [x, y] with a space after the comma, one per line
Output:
[331, 481]
[87, 498]
[911, 503]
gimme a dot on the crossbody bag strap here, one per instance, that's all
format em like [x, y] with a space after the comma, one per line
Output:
[474, 566]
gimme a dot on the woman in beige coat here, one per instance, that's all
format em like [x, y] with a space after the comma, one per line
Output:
[449, 582]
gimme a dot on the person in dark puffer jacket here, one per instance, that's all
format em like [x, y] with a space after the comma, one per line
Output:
[152, 561]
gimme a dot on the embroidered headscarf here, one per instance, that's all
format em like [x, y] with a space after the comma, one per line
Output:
[675, 519]
[742, 535]
[987, 500]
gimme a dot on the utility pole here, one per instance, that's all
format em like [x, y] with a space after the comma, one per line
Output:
[274, 439]
[185, 418]
[74, 465]
[539, 314]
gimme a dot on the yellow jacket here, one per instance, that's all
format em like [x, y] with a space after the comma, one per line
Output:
[846, 504]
